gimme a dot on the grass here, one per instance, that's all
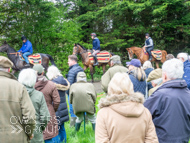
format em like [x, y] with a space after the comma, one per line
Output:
[80, 137]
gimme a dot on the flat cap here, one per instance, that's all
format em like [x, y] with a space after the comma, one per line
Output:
[155, 74]
[115, 58]
[39, 68]
[81, 74]
[5, 62]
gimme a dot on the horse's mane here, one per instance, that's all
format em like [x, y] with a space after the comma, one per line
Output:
[82, 47]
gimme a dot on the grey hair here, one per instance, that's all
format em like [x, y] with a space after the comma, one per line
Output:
[53, 72]
[183, 55]
[116, 62]
[173, 68]
[147, 65]
[28, 77]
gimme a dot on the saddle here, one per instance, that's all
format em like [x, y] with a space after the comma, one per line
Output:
[157, 54]
[102, 57]
[33, 59]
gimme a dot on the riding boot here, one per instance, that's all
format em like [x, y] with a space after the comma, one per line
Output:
[150, 57]
[27, 65]
[93, 126]
[95, 61]
[77, 126]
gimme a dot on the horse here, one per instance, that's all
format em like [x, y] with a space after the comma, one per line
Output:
[140, 53]
[20, 64]
[78, 49]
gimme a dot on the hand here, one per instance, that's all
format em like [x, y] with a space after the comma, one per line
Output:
[93, 50]
[31, 136]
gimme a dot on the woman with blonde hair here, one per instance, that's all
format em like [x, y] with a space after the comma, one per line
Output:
[122, 117]
[147, 67]
[62, 85]
[137, 76]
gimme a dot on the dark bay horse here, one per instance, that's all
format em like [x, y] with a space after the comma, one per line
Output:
[78, 49]
[19, 64]
[143, 57]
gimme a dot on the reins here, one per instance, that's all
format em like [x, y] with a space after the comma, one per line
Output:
[14, 53]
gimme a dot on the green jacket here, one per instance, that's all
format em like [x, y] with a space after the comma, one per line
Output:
[42, 114]
[106, 78]
[17, 113]
[82, 96]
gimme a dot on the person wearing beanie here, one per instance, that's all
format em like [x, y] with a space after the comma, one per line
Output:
[116, 66]
[137, 76]
[83, 100]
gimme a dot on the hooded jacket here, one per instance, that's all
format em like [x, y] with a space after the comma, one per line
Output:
[186, 75]
[124, 119]
[26, 47]
[96, 44]
[52, 100]
[170, 109]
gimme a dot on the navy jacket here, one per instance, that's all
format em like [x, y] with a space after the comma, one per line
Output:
[26, 47]
[139, 86]
[148, 71]
[96, 44]
[72, 74]
[186, 75]
[62, 111]
[170, 109]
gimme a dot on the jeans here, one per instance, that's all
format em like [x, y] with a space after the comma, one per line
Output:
[62, 134]
[149, 49]
[53, 140]
[71, 109]
[95, 52]
[25, 56]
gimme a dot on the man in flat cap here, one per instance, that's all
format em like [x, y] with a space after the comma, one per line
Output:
[17, 120]
[116, 66]
[82, 96]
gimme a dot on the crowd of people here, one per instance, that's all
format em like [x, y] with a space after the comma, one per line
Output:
[142, 104]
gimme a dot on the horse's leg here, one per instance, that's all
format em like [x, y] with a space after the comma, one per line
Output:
[91, 72]
[157, 64]
[104, 68]
[84, 68]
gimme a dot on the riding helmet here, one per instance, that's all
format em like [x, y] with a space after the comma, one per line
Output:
[93, 34]
[23, 38]
[147, 34]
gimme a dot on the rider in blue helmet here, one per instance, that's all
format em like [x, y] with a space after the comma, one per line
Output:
[26, 49]
[96, 47]
[149, 45]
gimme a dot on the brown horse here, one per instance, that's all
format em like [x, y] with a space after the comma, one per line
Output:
[19, 64]
[78, 49]
[143, 57]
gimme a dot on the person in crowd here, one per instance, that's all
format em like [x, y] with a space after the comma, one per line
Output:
[155, 78]
[169, 105]
[96, 47]
[26, 49]
[122, 116]
[147, 67]
[74, 68]
[62, 85]
[137, 76]
[115, 63]
[83, 100]
[169, 57]
[52, 100]
[149, 45]
[184, 58]
[28, 78]
[15, 104]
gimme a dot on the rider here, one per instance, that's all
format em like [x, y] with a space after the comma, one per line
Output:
[26, 49]
[149, 45]
[96, 47]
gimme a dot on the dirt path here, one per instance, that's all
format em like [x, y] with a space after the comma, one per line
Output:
[97, 85]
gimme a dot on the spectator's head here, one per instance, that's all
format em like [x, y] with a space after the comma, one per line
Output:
[115, 60]
[27, 77]
[183, 57]
[147, 65]
[39, 69]
[134, 63]
[81, 76]
[5, 64]
[72, 60]
[155, 74]
[53, 72]
[172, 69]
[169, 57]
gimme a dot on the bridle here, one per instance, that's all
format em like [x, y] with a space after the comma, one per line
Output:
[84, 51]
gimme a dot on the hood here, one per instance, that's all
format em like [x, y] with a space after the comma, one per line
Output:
[186, 64]
[126, 105]
[59, 83]
[29, 90]
[128, 109]
[41, 83]
[59, 80]
[177, 83]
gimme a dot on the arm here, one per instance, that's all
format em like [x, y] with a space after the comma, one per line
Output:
[28, 113]
[101, 133]
[44, 113]
[21, 49]
[105, 81]
[151, 43]
[151, 135]
[55, 97]
[71, 95]
[94, 94]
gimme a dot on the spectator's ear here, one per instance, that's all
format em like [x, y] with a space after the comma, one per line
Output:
[164, 77]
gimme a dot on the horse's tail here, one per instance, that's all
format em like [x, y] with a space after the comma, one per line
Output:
[164, 54]
[51, 59]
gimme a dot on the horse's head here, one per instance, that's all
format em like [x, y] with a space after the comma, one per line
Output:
[130, 53]
[4, 47]
[76, 49]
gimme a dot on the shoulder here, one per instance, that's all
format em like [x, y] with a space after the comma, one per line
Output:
[51, 84]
